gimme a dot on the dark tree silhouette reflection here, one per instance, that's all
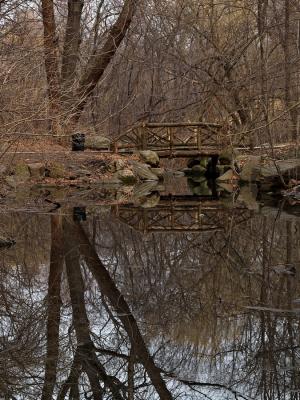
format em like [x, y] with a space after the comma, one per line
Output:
[118, 315]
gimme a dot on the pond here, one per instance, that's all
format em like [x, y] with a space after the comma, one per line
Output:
[195, 295]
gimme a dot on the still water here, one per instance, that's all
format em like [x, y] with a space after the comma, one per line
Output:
[184, 298]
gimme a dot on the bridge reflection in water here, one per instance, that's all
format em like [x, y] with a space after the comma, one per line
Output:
[183, 214]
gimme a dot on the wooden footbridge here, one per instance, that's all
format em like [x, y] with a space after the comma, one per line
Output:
[172, 140]
[182, 214]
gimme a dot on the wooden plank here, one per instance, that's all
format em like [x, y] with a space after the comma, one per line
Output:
[181, 124]
[189, 153]
[209, 201]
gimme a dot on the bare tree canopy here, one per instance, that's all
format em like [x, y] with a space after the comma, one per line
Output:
[102, 66]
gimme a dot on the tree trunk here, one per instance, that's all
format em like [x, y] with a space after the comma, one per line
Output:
[51, 61]
[98, 62]
[290, 95]
[109, 289]
[71, 47]
[54, 303]
[89, 361]
[63, 89]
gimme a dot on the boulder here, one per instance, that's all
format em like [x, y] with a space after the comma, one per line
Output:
[159, 172]
[37, 170]
[293, 193]
[144, 189]
[227, 177]
[124, 193]
[187, 171]
[150, 201]
[57, 170]
[203, 161]
[227, 187]
[127, 177]
[10, 180]
[227, 156]
[119, 164]
[248, 195]
[149, 157]
[80, 172]
[143, 172]
[97, 142]
[198, 169]
[178, 174]
[114, 180]
[6, 242]
[198, 178]
[270, 168]
[223, 168]
[21, 172]
[199, 189]
[251, 169]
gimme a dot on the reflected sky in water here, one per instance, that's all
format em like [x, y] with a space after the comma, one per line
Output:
[180, 298]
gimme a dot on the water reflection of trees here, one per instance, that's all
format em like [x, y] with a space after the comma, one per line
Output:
[124, 316]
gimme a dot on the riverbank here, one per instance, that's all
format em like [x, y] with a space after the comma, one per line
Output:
[46, 164]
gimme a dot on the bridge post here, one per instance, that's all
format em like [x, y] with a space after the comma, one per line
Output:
[143, 136]
[199, 138]
[114, 147]
[170, 136]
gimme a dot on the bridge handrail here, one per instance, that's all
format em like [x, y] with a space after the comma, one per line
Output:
[136, 130]
[181, 124]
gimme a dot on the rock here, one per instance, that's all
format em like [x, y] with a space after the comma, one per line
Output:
[227, 156]
[57, 193]
[251, 170]
[99, 210]
[149, 157]
[23, 192]
[144, 189]
[37, 170]
[124, 193]
[196, 161]
[57, 170]
[6, 242]
[82, 172]
[271, 169]
[248, 195]
[114, 180]
[228, 187]
[97, 142]
[227, 177]
[127, 177]
[119, 164]
[150, 201]
[199, 189]
[10, 180]
[223, 168]
[159, 172]
[293, 193]
[21, 172]
[143, 172]
[198, 169]
[78, 171]
[187, 171]
[198, 178]
[178, 174]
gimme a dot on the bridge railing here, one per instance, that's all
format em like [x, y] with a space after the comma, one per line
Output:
[182, 214]
[167, 138]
